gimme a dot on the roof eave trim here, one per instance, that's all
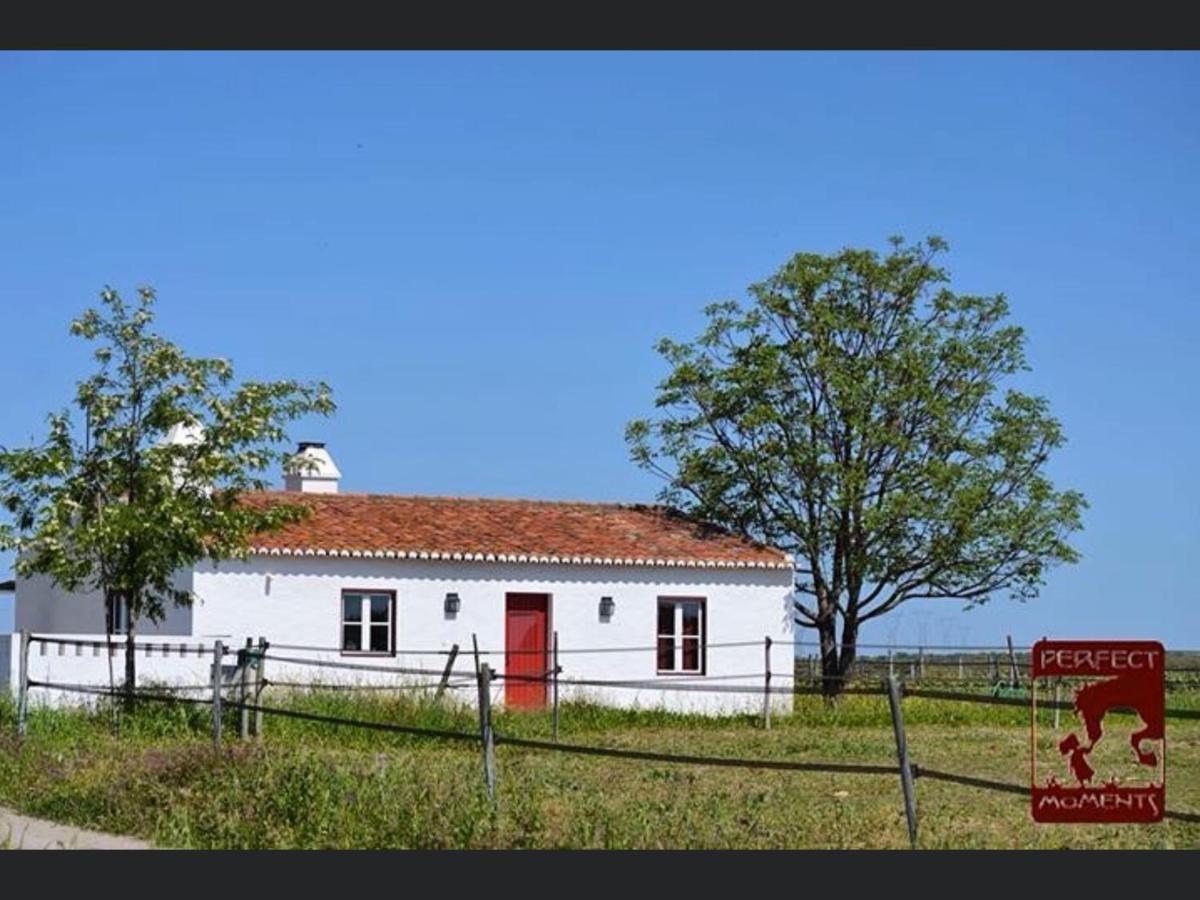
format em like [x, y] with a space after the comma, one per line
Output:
[786, 562]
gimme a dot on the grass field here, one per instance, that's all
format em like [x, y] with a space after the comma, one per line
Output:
[311, 785]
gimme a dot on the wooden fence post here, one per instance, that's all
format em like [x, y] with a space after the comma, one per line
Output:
[995, 668]
[1014, 679]
[23, 685]
[921, 662]
[906, 779]
[891, 666]
[245, 657]
[1057, 700]
[218, 654]
[441, 688]
[554, 687]
[260, 683]
[487, 738]
[767, 683]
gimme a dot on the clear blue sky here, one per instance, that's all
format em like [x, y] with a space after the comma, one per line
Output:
[478, 251]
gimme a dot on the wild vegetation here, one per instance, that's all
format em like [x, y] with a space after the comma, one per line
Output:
[314, 785]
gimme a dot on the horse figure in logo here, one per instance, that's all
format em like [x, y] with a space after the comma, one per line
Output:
[1093, 700]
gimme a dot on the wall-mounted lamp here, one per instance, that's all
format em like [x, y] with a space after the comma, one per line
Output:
[453, 605]
[606, 608]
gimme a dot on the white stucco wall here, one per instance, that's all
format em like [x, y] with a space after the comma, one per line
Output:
[9, 647]
[40, 606]
[300, 604]
[7, 602]
[295, 600]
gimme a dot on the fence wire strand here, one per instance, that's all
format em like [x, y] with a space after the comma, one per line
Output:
[119, 694]
[733, 762]
[363, 667]
[933, 694]
[333, 686]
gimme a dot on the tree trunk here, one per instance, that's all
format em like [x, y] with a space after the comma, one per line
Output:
[830, 682]
[837, 663]
[849, 650]
[130, 666]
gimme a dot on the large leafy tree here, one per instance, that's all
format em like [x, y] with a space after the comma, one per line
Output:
[148, 480]
[856, 414]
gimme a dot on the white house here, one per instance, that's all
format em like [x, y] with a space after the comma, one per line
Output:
[632, 593]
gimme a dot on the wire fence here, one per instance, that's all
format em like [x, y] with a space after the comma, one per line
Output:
[241, 691]
[911, 668]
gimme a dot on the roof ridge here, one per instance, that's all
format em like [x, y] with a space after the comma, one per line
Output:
[616, 504]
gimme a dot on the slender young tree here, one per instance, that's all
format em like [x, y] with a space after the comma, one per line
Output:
[149, 482]
[854, 413]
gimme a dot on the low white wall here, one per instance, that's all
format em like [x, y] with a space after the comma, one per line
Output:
[81, 660]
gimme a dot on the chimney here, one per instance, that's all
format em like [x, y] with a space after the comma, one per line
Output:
[311, 470]
[182, 434]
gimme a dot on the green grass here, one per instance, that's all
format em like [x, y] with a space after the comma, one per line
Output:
[315, 785]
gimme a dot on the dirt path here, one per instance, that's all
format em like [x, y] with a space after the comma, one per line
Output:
[18, 832]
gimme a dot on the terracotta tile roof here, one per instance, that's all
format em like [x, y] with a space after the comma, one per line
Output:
[454, 528]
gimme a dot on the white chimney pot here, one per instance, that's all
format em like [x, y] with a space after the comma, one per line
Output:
[183, 435]
[313, 470]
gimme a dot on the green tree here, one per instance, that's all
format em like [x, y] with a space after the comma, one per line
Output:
[853, 415]
[151, 483]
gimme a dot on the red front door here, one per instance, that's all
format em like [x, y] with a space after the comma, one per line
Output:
[525, 643]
